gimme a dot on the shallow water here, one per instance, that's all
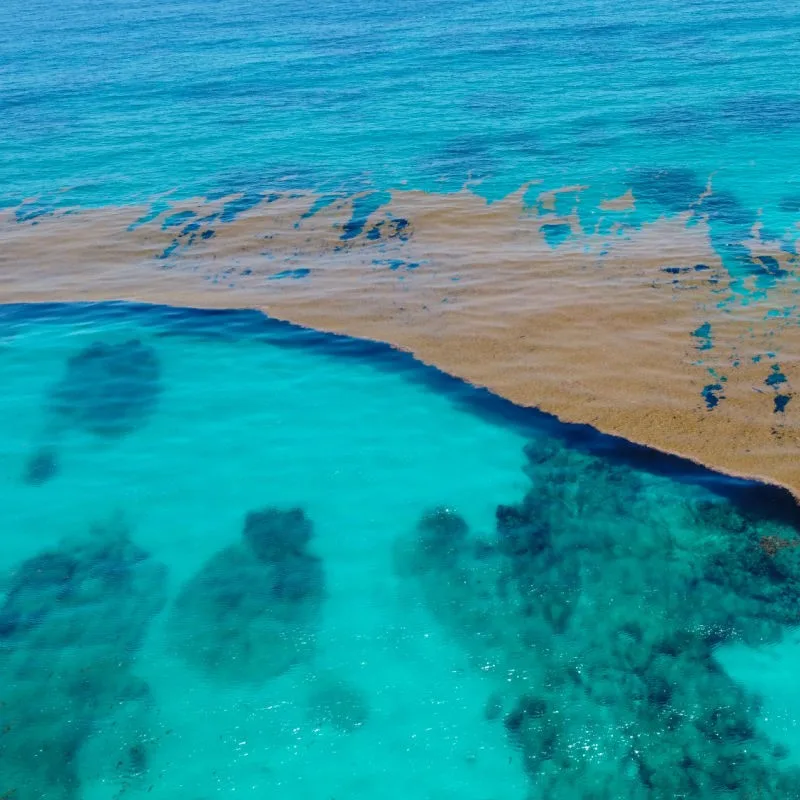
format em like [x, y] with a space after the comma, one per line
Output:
[600, 605]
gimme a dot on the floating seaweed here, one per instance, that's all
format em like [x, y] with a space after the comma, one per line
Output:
[600, 614]
[250, 612]
[108, 389]
[70, 624]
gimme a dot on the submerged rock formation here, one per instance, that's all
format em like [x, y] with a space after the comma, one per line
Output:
[598, 602]
[250, 613]
[71, 622]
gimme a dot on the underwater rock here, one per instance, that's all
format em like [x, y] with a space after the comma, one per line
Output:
[250, 613]
[108, 389]
[70, 624]
[601, 609]
[41, 467]
[338, 704]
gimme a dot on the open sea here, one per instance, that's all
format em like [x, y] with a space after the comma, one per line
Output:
[243, 558]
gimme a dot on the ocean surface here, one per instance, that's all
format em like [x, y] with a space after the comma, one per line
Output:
[242, 556]
[132, 101]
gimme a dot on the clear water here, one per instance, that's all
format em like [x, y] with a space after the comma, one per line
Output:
[128, 101]
[608, 598]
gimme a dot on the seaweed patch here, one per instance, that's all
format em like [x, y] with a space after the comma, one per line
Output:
[251, 611]
[642, 709]
[108, 389]
[71, 622]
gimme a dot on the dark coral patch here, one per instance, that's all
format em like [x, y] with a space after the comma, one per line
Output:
[41, 467]
[32, 212]
[108, 389]
[395, 264]
[319, 204]
[601, 616]
[71, 622]
[250, 613]
[273, 534]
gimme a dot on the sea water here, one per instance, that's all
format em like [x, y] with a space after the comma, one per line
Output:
[129, 102]
[428, 646]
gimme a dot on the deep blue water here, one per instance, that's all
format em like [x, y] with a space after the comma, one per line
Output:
[125, 101]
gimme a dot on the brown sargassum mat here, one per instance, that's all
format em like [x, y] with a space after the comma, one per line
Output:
[635, 328]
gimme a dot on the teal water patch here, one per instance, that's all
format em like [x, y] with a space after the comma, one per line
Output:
[363, 207]
[556, 233]
[229, 567]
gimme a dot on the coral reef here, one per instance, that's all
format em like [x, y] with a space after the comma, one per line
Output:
[250, 612]
[108, 389]
[70, 624]
[598, 602]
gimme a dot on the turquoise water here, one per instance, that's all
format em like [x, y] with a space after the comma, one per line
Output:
[239, 556]
[127, 101]
[579, 618]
